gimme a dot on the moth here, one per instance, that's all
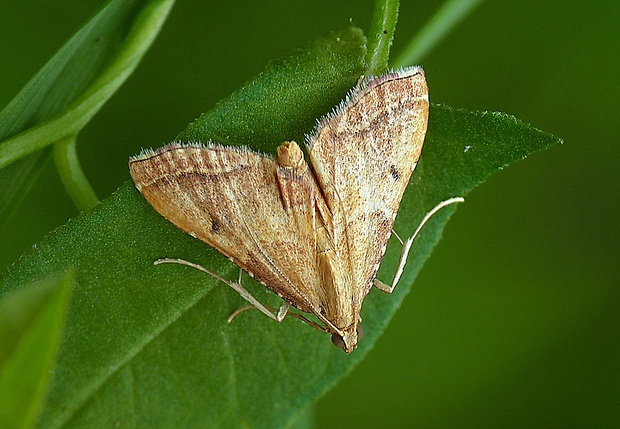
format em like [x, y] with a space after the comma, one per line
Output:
[313, 234]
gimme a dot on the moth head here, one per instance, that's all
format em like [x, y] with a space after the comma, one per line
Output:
[347, 339]
[290, 155]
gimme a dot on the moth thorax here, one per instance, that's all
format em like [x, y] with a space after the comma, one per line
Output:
[290, 155]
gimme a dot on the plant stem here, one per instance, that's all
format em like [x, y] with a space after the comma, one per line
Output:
[70, 121]
[381, 35]
[73, 178]
[447, 17]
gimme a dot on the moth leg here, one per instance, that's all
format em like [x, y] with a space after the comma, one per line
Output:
[406, 245]
[282, 311]
[291, 314]
[238, 312]
[235, 285]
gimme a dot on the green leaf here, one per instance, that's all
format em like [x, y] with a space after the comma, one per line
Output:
[31, 321]
[66, 93]
[149, 346]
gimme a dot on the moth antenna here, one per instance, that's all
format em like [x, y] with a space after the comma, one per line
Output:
[435, 210]
[407, 244]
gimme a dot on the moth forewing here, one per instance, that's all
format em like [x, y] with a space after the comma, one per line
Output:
[363, 154]
[315, 236]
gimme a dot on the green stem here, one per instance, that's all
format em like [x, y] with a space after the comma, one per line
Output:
[71, 174]
[70, 121]
[447, 17]
[381, 35]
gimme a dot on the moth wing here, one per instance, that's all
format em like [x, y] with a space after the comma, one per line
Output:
[230, 198]
[363, 154]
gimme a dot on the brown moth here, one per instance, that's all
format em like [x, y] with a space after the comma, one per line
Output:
[313, 235]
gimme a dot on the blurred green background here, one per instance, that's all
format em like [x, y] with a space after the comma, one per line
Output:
[515, 320]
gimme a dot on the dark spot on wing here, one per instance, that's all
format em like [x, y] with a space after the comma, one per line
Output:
[394, 172]
[215, 226]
